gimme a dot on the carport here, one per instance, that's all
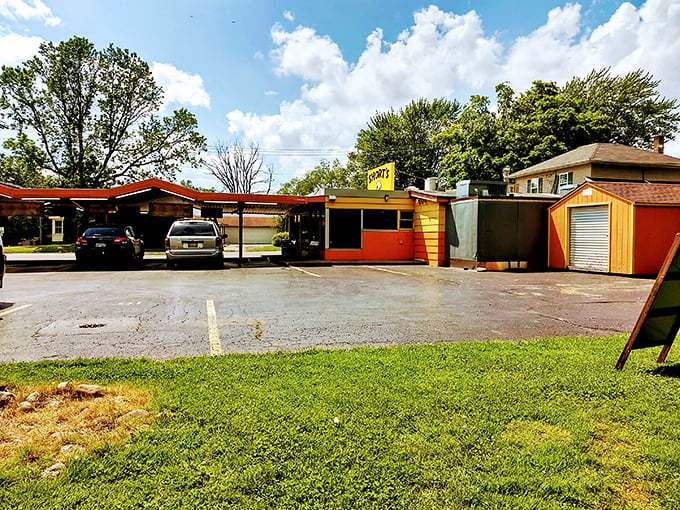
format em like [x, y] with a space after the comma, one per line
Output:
[150, 205]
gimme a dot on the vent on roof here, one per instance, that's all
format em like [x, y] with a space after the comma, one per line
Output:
[469, 188]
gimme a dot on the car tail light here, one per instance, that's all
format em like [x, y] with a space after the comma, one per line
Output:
[122, 240]
[81, 240]
[167, 242]
[218, 241]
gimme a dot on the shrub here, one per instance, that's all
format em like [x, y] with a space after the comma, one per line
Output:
[279, 237]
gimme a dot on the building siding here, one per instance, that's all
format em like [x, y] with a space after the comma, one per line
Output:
[403, 204]
[620, 229]
[655, 229]
[429, 226]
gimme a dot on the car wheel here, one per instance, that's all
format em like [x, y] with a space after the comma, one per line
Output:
[171, 264]
[219, 263]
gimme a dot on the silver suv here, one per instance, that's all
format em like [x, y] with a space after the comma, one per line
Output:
[194, 240]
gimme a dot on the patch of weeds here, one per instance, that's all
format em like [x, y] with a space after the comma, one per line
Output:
[44, 423]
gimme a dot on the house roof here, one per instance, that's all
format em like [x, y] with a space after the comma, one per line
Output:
[611, 153]
[642, 192]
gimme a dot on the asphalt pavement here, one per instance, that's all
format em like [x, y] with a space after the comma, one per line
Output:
[66, 312]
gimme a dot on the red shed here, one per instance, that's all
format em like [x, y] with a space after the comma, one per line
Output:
[616, 227]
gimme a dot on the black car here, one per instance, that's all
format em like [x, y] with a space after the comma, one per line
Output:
[111, 244]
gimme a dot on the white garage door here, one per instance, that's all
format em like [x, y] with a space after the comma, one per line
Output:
[589, 238]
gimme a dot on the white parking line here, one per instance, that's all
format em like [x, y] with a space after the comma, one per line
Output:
[12, 310]
[306, 272]
[213, 331]
[387, 270]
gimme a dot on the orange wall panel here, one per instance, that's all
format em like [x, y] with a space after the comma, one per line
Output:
[378, 245]
[655, 228]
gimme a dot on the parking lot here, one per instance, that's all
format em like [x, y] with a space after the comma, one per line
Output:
[64, 313]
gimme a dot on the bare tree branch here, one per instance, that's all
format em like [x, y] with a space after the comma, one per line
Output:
[240, 169]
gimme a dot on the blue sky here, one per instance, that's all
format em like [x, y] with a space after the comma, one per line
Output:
[300, 78]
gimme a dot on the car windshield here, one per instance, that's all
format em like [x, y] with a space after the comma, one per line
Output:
[192, 229]
[104, 231]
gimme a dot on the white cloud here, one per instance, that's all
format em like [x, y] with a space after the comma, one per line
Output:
[271, 93]
[180, 87]
[449, 55]
[303, 53]
[289, 15]
[15, 49]
[31, 9]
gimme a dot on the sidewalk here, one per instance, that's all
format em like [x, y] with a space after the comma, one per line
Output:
[156, 256]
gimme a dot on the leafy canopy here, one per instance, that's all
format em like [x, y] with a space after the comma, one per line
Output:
[324, 175]
[406, 137]
[548, 120]
[93, 116]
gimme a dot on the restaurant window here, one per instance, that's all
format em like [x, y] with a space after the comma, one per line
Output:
[344, 228]
[405, 220]
[380, 219]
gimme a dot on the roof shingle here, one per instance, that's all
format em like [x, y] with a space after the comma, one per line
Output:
[602, 153]
[643, 192]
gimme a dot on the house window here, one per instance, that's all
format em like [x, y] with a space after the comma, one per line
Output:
[58, 227]
[535, 185]
[565, 182]
[405, 220]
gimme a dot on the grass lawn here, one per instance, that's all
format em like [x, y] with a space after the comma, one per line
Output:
[263, 248]
[42, 248]
[541, 424]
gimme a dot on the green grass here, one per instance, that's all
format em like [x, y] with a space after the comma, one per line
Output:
[544, 424]
[262, 248]
[42, 248]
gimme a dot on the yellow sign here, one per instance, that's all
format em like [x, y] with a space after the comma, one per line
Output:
[382, 177]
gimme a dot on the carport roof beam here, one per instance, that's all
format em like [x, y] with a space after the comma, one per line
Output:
[145, 190]
[43, 199]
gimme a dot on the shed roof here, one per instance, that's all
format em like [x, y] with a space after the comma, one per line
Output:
[611, 153]
[642, 192]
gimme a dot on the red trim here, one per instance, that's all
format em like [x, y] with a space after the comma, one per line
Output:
[148, 184]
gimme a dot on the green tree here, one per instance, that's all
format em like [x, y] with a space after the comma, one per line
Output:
[94, 116]
[188, 184]
[543, 122]
[324, 175]
[24, 167]
[631, 103]
[547, 120]
[407, 137]
[472, 142]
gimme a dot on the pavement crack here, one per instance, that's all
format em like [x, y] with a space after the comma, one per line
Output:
[572, 323]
